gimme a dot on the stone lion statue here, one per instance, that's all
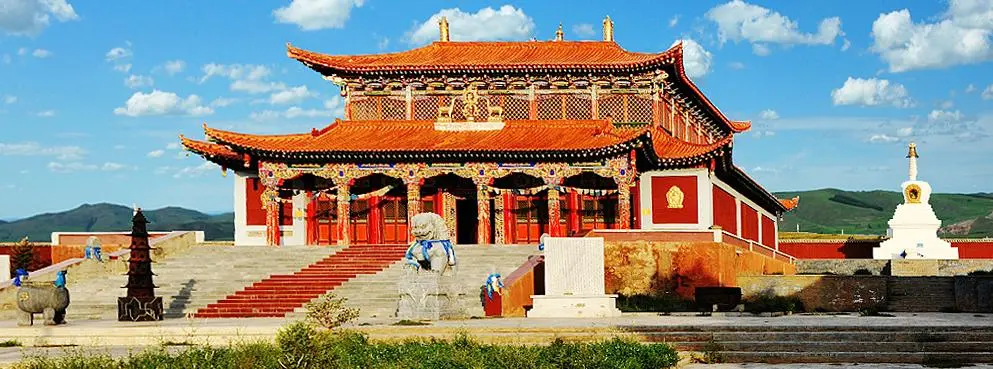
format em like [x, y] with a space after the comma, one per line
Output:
[51, 299]
[432, 248]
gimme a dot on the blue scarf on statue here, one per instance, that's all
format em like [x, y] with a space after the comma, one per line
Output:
[493, 283]
[18, 275]
[424, 248]
[60, 279]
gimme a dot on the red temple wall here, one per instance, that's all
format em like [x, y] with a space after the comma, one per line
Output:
[749, 223]
[254, 213]
[862, 249]
[661, 213]
[768, 232]
[725, 211]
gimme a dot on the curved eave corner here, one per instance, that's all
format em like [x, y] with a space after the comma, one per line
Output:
[734, 126]
[790, 204]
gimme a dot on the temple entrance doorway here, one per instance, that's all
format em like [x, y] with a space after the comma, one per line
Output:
[467, 221]
[454, 198]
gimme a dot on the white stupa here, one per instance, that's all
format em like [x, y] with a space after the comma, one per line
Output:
[913, 232]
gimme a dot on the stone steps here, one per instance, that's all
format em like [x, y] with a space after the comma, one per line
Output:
[920, 294]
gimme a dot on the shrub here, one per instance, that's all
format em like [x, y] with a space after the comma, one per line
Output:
[874, 310]
[773, 304]
[330, 311]
[664, 303]
[22, 256]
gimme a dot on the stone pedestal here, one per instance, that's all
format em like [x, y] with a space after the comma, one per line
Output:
[139, 309]
[4, 267]
[574, 284]
[429, 296]
[913, 231]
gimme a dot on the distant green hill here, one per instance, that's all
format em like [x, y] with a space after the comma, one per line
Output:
[867, 212]
[111, 218]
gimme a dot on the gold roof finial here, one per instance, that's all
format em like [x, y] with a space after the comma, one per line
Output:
[443, 26]
[913, 151]
[559, 35]
[608, 29]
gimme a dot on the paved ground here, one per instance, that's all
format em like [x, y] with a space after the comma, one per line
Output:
[118, 338]
[817, 366]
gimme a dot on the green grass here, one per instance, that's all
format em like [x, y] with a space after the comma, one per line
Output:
[411, 322]
[834, 211]
[10, 343]
[301, 346]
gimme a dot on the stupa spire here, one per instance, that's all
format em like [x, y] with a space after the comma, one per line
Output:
[912, 155]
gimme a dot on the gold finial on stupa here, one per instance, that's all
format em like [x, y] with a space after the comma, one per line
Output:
[443, 27]
[559, 35]
[608, 29]
[913, 151]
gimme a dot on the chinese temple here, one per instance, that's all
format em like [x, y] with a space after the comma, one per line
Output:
[506, 140]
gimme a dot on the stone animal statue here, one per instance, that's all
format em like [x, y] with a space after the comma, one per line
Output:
[50, 300]
[431, 250]
[20, 276]
[494, 283]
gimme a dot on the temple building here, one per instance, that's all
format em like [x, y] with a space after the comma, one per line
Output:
[506, 140]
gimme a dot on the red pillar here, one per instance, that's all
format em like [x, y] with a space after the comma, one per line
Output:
[636, 204]
[375, 220]
[311, 219]
[572, 200]
[508, 218]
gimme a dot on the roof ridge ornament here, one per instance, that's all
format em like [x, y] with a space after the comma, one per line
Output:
[443, 28]
[608, 29]
[559, 35]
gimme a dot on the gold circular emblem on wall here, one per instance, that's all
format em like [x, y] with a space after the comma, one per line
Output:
[913, 194]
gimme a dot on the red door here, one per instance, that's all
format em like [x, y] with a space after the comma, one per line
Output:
[359, 219]
[530, 218]
[326, 217]
[394, 210]
[598, 212]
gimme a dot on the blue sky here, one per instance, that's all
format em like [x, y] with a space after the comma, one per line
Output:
[93, 94]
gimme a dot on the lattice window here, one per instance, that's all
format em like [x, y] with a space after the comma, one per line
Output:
[394, 107]
[611, 106]
[457, 107]
[666, 114]
[515, 107]
[578, 106]
[363, 107]
[639, 108]
[550, 107]
[426, 107]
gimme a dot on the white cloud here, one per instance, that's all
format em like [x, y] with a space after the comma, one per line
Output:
[36, 149]
[333, 108]
[312, 15]
[905, 131]
[737, 65]
[939, 116]
[245, 77]
[948, 104]
[583, 30]
[120, 147]
[112, 167]
[882, 138]
[769, 114]
[156, 153]
[871, 92]
[9, 99]
[761, 49]
[136, 81]
[41, 53]
[119, 57]
[291, 95]
[696, 60]
[172, 146]
[961, 35]
[162, 103]
[760, 134]
[737, 20]
[173, 67]
[761, 169]
[196, 171]
[674, 21]
[221, 102]
[46, 113]
[30, 17]
[970, 88]
[988, 93]
[70, 167]
[506, 23]
[383, 43]
[845, 45]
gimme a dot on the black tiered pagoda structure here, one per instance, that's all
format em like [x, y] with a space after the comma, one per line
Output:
[140, 304]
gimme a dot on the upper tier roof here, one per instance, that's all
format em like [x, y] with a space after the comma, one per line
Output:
[521, 56]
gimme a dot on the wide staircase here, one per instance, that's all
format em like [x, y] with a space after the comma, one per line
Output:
[192, 279]
[921, 294]
[280, 294]
[377, 296]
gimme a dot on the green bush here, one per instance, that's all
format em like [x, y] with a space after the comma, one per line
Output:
[301, 345]
[773, 304]
[330, 311]
[665, 303]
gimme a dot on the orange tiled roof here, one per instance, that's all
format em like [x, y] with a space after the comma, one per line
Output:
[668, 147]
[477, 56]
[405, 136]
[209, 149]
[790, 204]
